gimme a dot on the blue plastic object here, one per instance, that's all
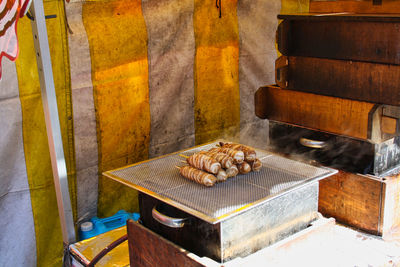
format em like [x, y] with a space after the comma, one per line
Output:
[106, 224]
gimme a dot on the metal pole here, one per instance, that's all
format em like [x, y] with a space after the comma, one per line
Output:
[52, 121]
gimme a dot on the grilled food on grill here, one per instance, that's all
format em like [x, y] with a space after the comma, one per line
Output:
[249, 153]
[221, 176]
[237, 155]
[204, 162]
[244, 167]
[232, 171]
[256, 165]
[197, 175]
[225, 160]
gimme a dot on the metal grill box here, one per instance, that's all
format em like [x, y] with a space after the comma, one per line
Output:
[233, 218]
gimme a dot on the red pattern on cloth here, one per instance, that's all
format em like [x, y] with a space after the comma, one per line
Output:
[10, 12]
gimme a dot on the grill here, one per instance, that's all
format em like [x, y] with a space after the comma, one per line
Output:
[280, 199]
[160, 179]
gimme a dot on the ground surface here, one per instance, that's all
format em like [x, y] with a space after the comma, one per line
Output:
[325, 243]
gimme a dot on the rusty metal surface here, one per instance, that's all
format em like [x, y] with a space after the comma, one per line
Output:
[269, 223]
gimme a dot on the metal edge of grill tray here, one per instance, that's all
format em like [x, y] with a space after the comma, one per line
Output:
[143, 176]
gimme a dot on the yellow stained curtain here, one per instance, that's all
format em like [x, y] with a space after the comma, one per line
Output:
[295, 6]
[49, 244]
[117, 37]
[216, 70]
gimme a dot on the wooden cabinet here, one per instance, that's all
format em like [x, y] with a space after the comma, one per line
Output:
[355, 6]
[342, 55]
[339, 77]
[351, 118]
[363, 81]
[362, 201]
[367, 38]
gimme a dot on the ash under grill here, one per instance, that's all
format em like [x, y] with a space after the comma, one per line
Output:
[160, 179]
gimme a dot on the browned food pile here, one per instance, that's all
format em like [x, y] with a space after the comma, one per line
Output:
[220, 163]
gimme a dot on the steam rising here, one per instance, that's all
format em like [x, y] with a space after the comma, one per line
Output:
[253, 134]
[339, 152]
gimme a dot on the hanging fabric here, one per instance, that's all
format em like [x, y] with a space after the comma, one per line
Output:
[10, 12]
[216, 72]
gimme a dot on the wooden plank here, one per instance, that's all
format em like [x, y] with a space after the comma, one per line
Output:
[391, 111]
[363, 81]
[368, 203]
[389, 125]
[169, 254]
[335, 38]
[366, 6]
[325, 113]
[147, 249]
[391, 210]
[281, 71]
[352, 199]
[341, 16]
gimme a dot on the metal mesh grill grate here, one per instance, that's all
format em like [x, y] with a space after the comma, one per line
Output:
[157, 175]
[218, 200]
[161, 179]
[294, 167]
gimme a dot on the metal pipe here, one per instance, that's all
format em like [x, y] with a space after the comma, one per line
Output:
[50, 109]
